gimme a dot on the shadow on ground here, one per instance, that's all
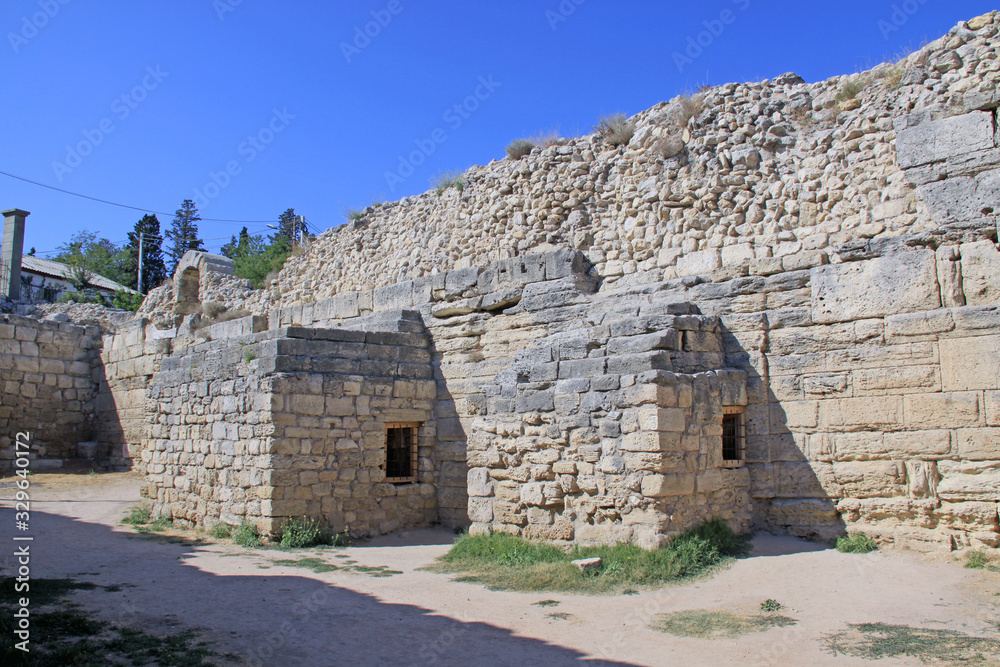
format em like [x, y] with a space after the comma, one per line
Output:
[266, 620]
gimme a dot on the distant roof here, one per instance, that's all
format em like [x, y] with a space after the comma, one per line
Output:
[53, 269]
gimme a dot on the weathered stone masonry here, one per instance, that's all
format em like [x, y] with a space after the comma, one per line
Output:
[48, 390]
[291, 422]
[826, 269]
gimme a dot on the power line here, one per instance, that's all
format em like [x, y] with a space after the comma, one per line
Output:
[134, 208]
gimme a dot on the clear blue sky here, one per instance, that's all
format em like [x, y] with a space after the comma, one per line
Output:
[141, 102]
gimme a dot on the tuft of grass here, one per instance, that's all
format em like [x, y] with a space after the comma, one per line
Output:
[138, 515]
[447, 179]
[161, 522]
[850, 89]
[545, 139]
[770, 605]
[874, 641]
[221, 531]
[353, 214]
[690, 106]
[546, 603]
[982, 560]
[505, 562]
[705, 624]
[856, 543]
[319, 566]
[518, 148]
[616, 129]
[247, 535]
[249, 356]
[314, 564]
[302, 532]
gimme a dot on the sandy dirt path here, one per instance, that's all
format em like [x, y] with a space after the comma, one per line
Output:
[272, 614]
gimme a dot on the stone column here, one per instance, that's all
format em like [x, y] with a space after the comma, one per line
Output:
[10, 259]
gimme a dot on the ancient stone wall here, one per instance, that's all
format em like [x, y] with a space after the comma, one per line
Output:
[291, 422]
[842, 235]
[48, 390]
[128, 360]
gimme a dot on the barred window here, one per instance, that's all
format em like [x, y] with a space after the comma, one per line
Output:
[401, 453]
[733, 437]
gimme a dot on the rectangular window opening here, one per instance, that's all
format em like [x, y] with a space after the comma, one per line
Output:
[733, 437]
[401, 453]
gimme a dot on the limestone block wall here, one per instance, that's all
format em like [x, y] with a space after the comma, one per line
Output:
[291, 422]
[609, 434]
[129, 357]
[48, 390]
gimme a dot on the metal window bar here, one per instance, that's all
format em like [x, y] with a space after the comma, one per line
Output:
[733, 437]
[400, 452]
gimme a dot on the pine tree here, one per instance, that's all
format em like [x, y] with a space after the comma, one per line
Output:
[291, 227]
[234, 246]
[183, 233]
[154, 270]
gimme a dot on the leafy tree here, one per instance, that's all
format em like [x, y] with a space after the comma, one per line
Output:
[89, 255]
[154, 271]
[230, 249]
[183, 233]
[127, 300]
[254, 258]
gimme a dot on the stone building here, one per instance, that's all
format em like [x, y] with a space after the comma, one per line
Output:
[777, 304]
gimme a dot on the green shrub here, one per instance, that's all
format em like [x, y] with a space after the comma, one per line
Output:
[856, 543]
[518, 148]
[980, 560]
[127, 300]
[161, 522]
[85, 296]
[298, 533]
[770, 605]
[616, 129]
[221, 531]
[247, 535]
[506, 562]
[138, 515]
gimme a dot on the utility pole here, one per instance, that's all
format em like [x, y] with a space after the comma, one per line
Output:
[139, 281]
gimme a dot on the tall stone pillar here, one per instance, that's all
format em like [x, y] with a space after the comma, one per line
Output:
[10, 256]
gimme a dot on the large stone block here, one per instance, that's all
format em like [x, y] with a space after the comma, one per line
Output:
[969, 481]
[658, 486]
[866, 479]
[936, 140]
[980, 273]
[945, 410]
[970, 363]
[896, 380]
[900, 283]
[979, 444]
[872, 445]
[875, 412]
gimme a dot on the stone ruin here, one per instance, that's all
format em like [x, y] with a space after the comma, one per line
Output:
[777, 304]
